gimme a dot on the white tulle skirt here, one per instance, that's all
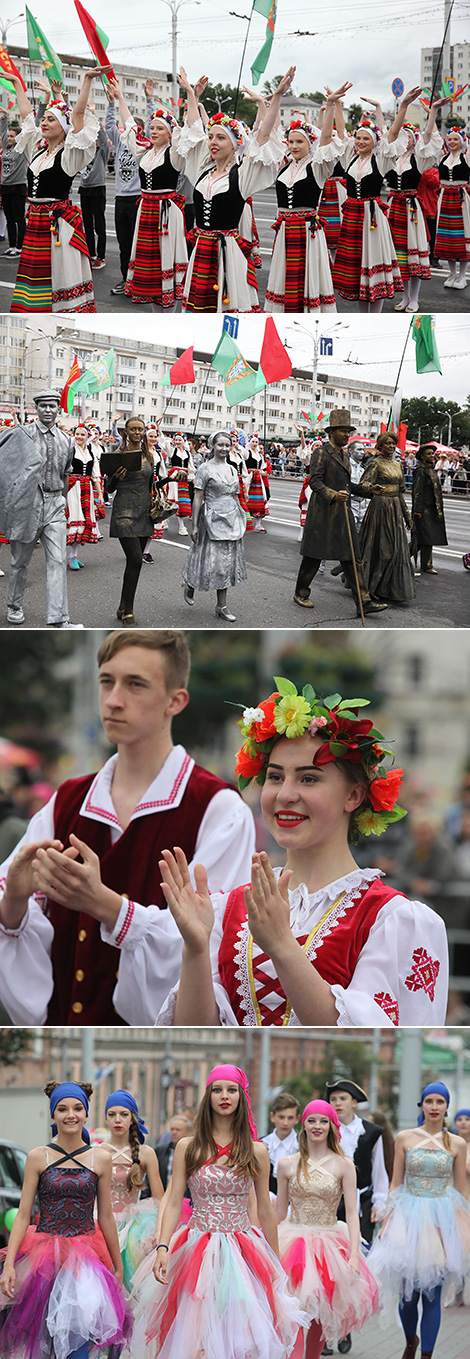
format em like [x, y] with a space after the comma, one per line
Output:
[425, 1242]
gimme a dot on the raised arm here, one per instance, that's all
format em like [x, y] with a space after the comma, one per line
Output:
[429, 129]
[378, 113]
[192, 97]
[400, 117]
[270, 118]
[24, 106]
[332, 100]
[78, 112]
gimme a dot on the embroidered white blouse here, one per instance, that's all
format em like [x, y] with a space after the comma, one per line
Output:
[401, 976]
[150, 944]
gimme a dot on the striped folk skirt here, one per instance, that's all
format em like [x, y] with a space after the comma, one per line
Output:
[81, 517]
[453, 223]
[366, 266]
[330, 210]
[54, 271]
[300, 274]
[256, 499]
[409, 233]
[159, 258]
[221, 274]
[184, 499]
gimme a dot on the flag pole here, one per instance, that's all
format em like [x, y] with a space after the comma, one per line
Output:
[440, 54]
[395, 389]
[206, 379]
[237, 92]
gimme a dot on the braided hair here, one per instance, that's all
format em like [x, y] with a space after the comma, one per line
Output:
[133, 1175]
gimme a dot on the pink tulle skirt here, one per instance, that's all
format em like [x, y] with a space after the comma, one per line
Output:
[66, 1294]
[316, 1261]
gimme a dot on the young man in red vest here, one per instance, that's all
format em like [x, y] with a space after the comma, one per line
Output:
[85, 936]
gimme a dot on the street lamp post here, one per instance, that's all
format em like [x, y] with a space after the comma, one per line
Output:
[174, 6]
[4, 26]
[316, 345]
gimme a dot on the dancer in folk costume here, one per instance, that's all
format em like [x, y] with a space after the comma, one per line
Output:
[425, 1239]
[84, 480]
[62, 1279]
[54, 272]
[300, 274]
[304, 452]
[453, 214]
[462, 1129]
[236, 459]
[220, 1287]
[159, 255]
[97, 447]
[160, 446]
[226, 169]
[131, 1160]
[257, 499]
[217, 556]
[405, 213]
[181, 470]
[253, 956]
[330, 208]
[366, 267]
[320, 1254]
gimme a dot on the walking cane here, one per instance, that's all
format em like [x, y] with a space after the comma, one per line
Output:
[356, 577]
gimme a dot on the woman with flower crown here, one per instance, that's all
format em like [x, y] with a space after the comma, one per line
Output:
[300, 274]
[54, 272]
[453, 211]
[405, 214]
[221, 273]
[159, 257]
[220, 1288]
[320, 941]
[321, 1256]
[366, 267]
[424, 1241]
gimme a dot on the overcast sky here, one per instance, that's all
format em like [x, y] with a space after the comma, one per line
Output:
[369, 347]
[369, 43]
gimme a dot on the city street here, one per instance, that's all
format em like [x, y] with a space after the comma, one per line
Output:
[433, 296]
[265, 599]
[452, 1341]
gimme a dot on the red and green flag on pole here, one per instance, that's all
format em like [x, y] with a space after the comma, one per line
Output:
[181, 372]
[95, 379]
[423, 330]
[39, 48]
[241, 380]
[319, 420]
[8, 69]
[97, 39]
[73, 376]
[269, 9]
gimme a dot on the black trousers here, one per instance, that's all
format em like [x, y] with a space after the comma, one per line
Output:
[309, 567]
[125, 213]
[93, 205]
[13, 203]
[134, 549]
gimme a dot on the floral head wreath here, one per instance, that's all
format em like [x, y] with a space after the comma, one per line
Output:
[235, 129]
[410, 127]
[461, 133]
[366, 124]
[307, 129]
[345, 736]
[61, 111]
[165, 117]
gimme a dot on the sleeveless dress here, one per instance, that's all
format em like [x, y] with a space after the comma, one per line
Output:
[425, 1241]
[225, 1295]
[315, 1251]
[66, 1293]
[217, 560]
[135, 1222]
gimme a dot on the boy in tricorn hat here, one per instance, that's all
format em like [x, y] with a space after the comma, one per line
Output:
[329, 512]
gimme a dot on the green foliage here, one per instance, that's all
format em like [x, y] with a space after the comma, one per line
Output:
[430, 417]
[14, 1044]
[221, 99]
[224, 668]
[31, 699]
[352, 1060]
[329, 663]
[355, 112]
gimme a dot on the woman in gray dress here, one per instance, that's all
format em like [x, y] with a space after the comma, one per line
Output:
[384, 546]
[130, 518]
[217, 555]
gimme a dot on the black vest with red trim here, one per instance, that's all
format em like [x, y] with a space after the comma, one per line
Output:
[336, 961]
[85, 969]
[367, 187]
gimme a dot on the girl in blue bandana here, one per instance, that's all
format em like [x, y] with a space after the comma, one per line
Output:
[132, 1161]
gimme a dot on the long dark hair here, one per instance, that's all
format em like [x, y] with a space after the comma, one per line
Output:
[144, 444]
[203, 1146]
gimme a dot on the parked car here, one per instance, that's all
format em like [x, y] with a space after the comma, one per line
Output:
[12, 1164]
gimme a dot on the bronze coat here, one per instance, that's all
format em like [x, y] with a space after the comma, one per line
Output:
[428, 507]
[325, 532]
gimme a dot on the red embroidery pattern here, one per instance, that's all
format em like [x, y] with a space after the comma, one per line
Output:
[388, 1004]
[424, 973]
[126, 926]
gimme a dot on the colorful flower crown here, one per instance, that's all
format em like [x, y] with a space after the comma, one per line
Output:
[299, 125]
[222, 120]
[370, 127]
[345, 736]
[410, 127]
[461, 132]
[166, 117]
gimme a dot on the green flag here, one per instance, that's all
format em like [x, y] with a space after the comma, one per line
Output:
[241, 381]
[261, 61]
[39, 49]
[94, 379]
[427, 357]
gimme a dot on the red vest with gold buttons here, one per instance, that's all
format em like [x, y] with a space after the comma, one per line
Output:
[337, 939]
[85, 968]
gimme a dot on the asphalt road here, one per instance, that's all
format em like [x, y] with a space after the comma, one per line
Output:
[265, 599]
[433, 297]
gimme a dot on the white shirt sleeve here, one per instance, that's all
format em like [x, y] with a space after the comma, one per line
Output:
[402, 973]
[259, 166]
[26, 981]
[80, 147]
[380, 1181]
[225, 842]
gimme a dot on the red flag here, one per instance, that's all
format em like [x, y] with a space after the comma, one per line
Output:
[72, 377]
[402, 431]
[7, 66]
[274, 362]
[383, 428]
[182, 371]
[93, 32]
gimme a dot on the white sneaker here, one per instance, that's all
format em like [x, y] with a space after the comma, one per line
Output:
[75, 627]
[182, 531]
[15, 616]
[2, 573]
[450, 282]
[460, 283]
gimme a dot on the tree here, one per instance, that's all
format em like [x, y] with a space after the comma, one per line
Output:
[271, 85]
[32, 699]
[14, 1044]
[354, 115]
[221, 99]
[426, 419]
